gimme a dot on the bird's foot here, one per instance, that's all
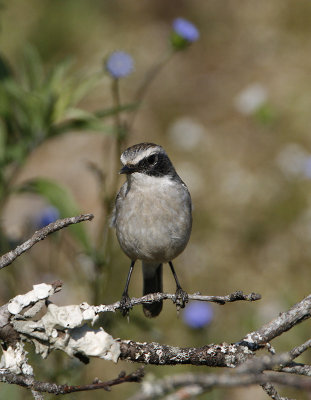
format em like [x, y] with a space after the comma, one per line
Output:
[125, 304]
[181, 298]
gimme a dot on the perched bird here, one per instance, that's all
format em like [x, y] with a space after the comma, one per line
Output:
[152, 217]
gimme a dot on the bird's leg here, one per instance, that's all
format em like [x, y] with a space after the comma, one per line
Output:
[125, 302]
[181, 296]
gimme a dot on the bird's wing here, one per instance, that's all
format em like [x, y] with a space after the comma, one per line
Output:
[119, 198]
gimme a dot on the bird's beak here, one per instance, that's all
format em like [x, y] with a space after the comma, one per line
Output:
[126, 169]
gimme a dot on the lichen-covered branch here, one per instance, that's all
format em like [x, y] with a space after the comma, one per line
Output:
[297, 369]
[214, 355]
[285, 321]
[297, 351]
[9, 257]
[65, 328]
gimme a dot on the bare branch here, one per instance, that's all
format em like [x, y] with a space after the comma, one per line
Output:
[9, 257]
[29, 382]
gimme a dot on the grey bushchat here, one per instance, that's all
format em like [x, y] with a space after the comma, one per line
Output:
[152, 217]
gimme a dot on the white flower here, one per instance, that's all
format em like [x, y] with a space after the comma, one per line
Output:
[186, 133]
[251, 98]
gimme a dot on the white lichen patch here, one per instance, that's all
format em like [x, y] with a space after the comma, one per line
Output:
[39, 292]
[90, 315]
[232, 349]
[14, 360]
[67, 317]
[253, 337]
[93, 343]
[211, 351]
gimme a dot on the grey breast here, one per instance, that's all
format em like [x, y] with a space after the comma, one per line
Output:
[153, 222]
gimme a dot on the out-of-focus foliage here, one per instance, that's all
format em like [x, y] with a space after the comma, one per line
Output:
[63, 201]
[35, 104]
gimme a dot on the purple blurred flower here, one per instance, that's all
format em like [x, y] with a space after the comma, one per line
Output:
[46, 216]
[186, 30]
[198, 314]
[119, 64]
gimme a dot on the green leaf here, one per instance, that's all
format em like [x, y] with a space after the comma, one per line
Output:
[84, 85]
[78, 113]
[70, 90]
[5, 69]
[3, 139]
[57, 75]
[77, 119]
[58, 196]
[33, 71]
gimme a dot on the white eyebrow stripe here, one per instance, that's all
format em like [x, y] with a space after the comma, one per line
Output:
[146, 153]
[141, 155]
[123, 161]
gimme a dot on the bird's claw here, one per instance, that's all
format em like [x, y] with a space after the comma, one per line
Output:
[181, 298]
[125, 305]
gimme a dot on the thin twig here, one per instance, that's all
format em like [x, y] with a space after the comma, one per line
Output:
[29, 382]
[9, 257]
[278, 362]
[155, 297]
[297, 351]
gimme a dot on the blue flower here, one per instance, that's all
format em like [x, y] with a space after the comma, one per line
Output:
[186, 30]
[198, 314]
[119, 64]
[46, 216]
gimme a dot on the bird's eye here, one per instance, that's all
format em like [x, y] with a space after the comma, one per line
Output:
[152, 159]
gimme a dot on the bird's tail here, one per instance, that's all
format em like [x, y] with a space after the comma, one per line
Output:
[152, 277]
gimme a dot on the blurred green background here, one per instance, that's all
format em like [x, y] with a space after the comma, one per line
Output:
[233, 113]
